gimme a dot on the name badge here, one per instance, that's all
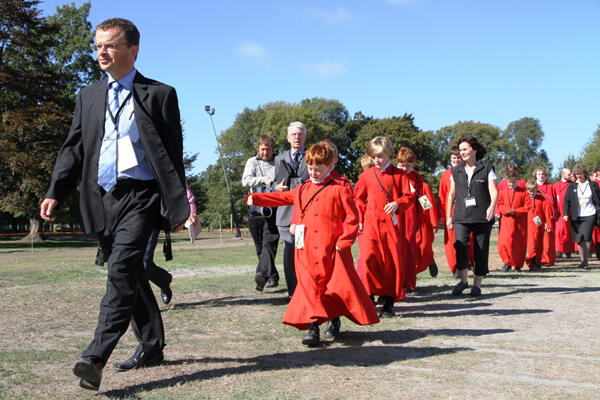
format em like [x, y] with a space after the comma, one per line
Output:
[582, 204]
[126, 158]
[425, 202]
[394, 220]
[470, 202]
[537, 220]
[299, 237]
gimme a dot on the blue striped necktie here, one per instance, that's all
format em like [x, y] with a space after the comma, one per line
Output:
[107, 163]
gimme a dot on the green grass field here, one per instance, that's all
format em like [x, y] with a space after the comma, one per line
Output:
[530, 336]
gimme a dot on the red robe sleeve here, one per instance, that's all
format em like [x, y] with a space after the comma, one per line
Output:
[274, 199]
[348, 236]
[432, 212]
[405, 197]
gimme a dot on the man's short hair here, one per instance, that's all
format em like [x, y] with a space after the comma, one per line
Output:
[266, 140]
[511, 171]
[131, 33]
[296, 124]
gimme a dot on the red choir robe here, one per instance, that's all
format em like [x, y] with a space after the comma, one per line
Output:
[382, 246]
[535, 234]
[512, 236]
[328, 286]
[549, 246]
[562, 229]
[596, 234]
[503, 184]
[449, 237]
[361, 213]
[425, 235]
[412, 223]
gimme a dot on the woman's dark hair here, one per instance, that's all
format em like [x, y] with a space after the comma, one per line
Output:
[480, 151]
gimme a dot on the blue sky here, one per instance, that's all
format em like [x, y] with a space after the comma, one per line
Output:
[442, 61]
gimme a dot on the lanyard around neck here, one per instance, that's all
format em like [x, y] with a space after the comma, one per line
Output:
[302, 209]
[115, 117]
[387, 193]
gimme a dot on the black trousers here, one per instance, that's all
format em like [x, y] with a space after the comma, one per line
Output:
[131, 212]
[266, 239]
[157, 275]
[289, 250]
[481, 245]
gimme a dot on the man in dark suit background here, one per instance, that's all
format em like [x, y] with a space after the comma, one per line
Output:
[294, 163]
[124, 194]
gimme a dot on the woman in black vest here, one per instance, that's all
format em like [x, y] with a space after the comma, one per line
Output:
[582, 203]
[473, 186]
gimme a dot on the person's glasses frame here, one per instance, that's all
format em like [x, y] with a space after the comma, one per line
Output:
[110, 46]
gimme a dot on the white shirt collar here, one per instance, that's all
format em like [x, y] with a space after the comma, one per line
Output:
[385, 166]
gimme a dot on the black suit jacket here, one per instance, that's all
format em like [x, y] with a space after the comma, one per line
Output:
[571, 203]
[158, 122]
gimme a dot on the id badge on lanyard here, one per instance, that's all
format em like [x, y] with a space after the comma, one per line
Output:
[470, 202]
[299, 237]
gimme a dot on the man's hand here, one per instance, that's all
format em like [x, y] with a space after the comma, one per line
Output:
[281, 187]
[269, 181]
[47, 209]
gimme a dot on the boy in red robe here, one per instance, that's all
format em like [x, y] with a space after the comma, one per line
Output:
[539, 222]
[383, 194]
[426, 235]
[562, 229]
[413, 215]
[326, 226]
[365, 162]
[547, 189]
[513, 206]
[449, 237]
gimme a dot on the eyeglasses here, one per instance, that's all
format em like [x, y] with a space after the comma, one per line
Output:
[110, 46]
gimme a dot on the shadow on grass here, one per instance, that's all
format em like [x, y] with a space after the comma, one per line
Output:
[339, 357]
[15, 243]
[233, 301]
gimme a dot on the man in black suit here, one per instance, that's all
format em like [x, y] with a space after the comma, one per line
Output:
[124, 194]
[293, 164]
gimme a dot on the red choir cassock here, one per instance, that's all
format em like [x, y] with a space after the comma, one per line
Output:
[503, 184]
[562, 229]
[412, 222]
[596, 233]
[512, 236]
[426, 235]
[542, 209]
[328, 286]
[361, 213]
[549, 246]
[449, 237]
[382, 245]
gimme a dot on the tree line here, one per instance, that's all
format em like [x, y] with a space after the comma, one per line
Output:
[44, 61]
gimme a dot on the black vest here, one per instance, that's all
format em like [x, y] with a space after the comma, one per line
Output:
[478, 189]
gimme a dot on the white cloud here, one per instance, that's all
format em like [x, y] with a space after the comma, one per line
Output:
[327, 69]
[254, 52]
[340, 15]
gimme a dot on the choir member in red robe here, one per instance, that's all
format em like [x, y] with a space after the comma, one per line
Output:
[449, 237]
[595, 245]
[413, 215]
[562, 229]
[383, 194]
[539, 221]
[365, 162]
[503, 185]
[426, 235]
[513, 206]
[547, 189]
[326, 226]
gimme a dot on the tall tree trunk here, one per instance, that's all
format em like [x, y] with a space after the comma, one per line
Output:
[34, 230]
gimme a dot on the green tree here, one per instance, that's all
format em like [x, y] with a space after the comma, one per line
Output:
[523, 140]
[38, 85]
[590, 155]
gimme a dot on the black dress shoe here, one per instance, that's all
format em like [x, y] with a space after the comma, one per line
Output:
[311, 339]
[166, 293]
[141, 359]
[260, 280]
[388, 308]
[433, 269]
[272, 283]
[333, 328]
[90, 372]
[506, 268]
[475, 291]
[459, 288]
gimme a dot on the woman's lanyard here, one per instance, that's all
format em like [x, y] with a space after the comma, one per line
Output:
[387, 193]
[302, 209]
[584, 189]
